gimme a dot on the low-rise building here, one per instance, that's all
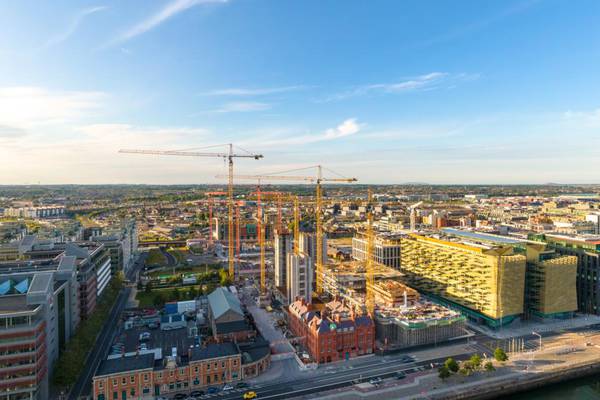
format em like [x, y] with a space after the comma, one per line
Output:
[336, 333]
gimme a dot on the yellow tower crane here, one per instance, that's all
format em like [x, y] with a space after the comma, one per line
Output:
[369, 264]
[229, 156]
[318, 179]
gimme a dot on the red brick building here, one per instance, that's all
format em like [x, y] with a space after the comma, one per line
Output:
[336, 333]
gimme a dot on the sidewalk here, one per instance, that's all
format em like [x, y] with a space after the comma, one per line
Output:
[521, 328]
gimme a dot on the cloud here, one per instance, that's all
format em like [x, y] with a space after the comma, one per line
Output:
[589, 119]
[430, 81]
[29, 106]
[73, 26]
[242, 106]
[169, 11]
[251, 92]
[347, 128]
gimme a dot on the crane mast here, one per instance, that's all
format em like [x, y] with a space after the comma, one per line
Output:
[370, 278]
[229, 156]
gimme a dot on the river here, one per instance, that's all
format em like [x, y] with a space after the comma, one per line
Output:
[578, 389]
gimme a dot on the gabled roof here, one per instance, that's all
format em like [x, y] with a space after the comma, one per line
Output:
[222, 300]
[214, 350]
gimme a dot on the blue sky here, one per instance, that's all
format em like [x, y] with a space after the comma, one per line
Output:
[386, 91]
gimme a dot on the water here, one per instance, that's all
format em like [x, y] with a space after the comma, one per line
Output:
[578, 389]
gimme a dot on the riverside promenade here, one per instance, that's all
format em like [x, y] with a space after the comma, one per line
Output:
[563, 357]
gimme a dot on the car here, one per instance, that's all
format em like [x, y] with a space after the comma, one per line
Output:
[227, 387]
[212, 390]
[400, 375]
[144, 336]
[241, 385]
[180, 396]
[375, 381]
[143, 346]
[407, 359]
[197, 393]
[250, 395]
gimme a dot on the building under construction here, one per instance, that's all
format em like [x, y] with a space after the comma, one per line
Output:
[386, 249]
[419, 323]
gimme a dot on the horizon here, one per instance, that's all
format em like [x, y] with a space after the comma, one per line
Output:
[392, 93]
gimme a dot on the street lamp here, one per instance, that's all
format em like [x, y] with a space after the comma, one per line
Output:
[540, 336]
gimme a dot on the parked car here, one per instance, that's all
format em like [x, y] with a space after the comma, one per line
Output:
[227, 387]
[197, 393]
[212, 390]
[144, 336]
[400, 375]
[376, 381]
[241, 385]
[180, 396]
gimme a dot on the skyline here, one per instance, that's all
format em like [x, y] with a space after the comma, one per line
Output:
[494, 93]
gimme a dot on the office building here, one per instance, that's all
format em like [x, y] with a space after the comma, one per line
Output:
[486, 282]
[336, 333]
[550, 284]
[587, 251]
[386, 249]
[38, 315]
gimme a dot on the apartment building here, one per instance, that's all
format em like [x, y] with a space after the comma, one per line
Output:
[299, 277]
[282, 247]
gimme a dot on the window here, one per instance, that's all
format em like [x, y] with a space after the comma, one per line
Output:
[123, 380]
[223, 364]
[114, 382]
[132, 379]
[146, 377]
[115, 395]
[196, 369]
[208, 367]
[100, 385]
[208, 379]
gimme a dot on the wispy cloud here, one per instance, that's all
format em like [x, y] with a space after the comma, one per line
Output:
[169, 11]
[242, 106]
[347, 128]
[251, 91]
[430, 81]
[73, 26]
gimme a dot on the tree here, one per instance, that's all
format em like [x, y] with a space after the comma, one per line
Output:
[475, 361]
[175, 294]
[224, 278]
[489, 367]
[466, 368]
[148, 287]
[158, 300]
[443, 372]
[452, 365]
[500, 355]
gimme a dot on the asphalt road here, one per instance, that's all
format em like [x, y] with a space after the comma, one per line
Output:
[375, 367]
[109, 331]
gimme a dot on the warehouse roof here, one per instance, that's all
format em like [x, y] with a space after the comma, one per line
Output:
[222, 300]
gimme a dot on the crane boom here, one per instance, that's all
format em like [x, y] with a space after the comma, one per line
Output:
[230, 155]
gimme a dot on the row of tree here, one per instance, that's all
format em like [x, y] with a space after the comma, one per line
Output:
[473, 364]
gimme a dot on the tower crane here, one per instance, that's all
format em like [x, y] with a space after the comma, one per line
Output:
[318, 179]
[228, 156]
[370, 278]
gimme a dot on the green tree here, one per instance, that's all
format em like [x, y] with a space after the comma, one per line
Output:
[158, 300]
[489, 367]
[500, 355]
[466, 368]
[443, 372]
[452, 365]
[175, 294]
[475, 361]
[224, 278]
[148, 287]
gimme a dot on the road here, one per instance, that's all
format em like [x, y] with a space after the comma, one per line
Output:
[373, 367]
[100, 351]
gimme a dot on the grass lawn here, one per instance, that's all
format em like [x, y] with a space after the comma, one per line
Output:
[156, 257]
[168, 294]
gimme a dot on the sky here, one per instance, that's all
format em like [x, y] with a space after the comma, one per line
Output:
[387, 91]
